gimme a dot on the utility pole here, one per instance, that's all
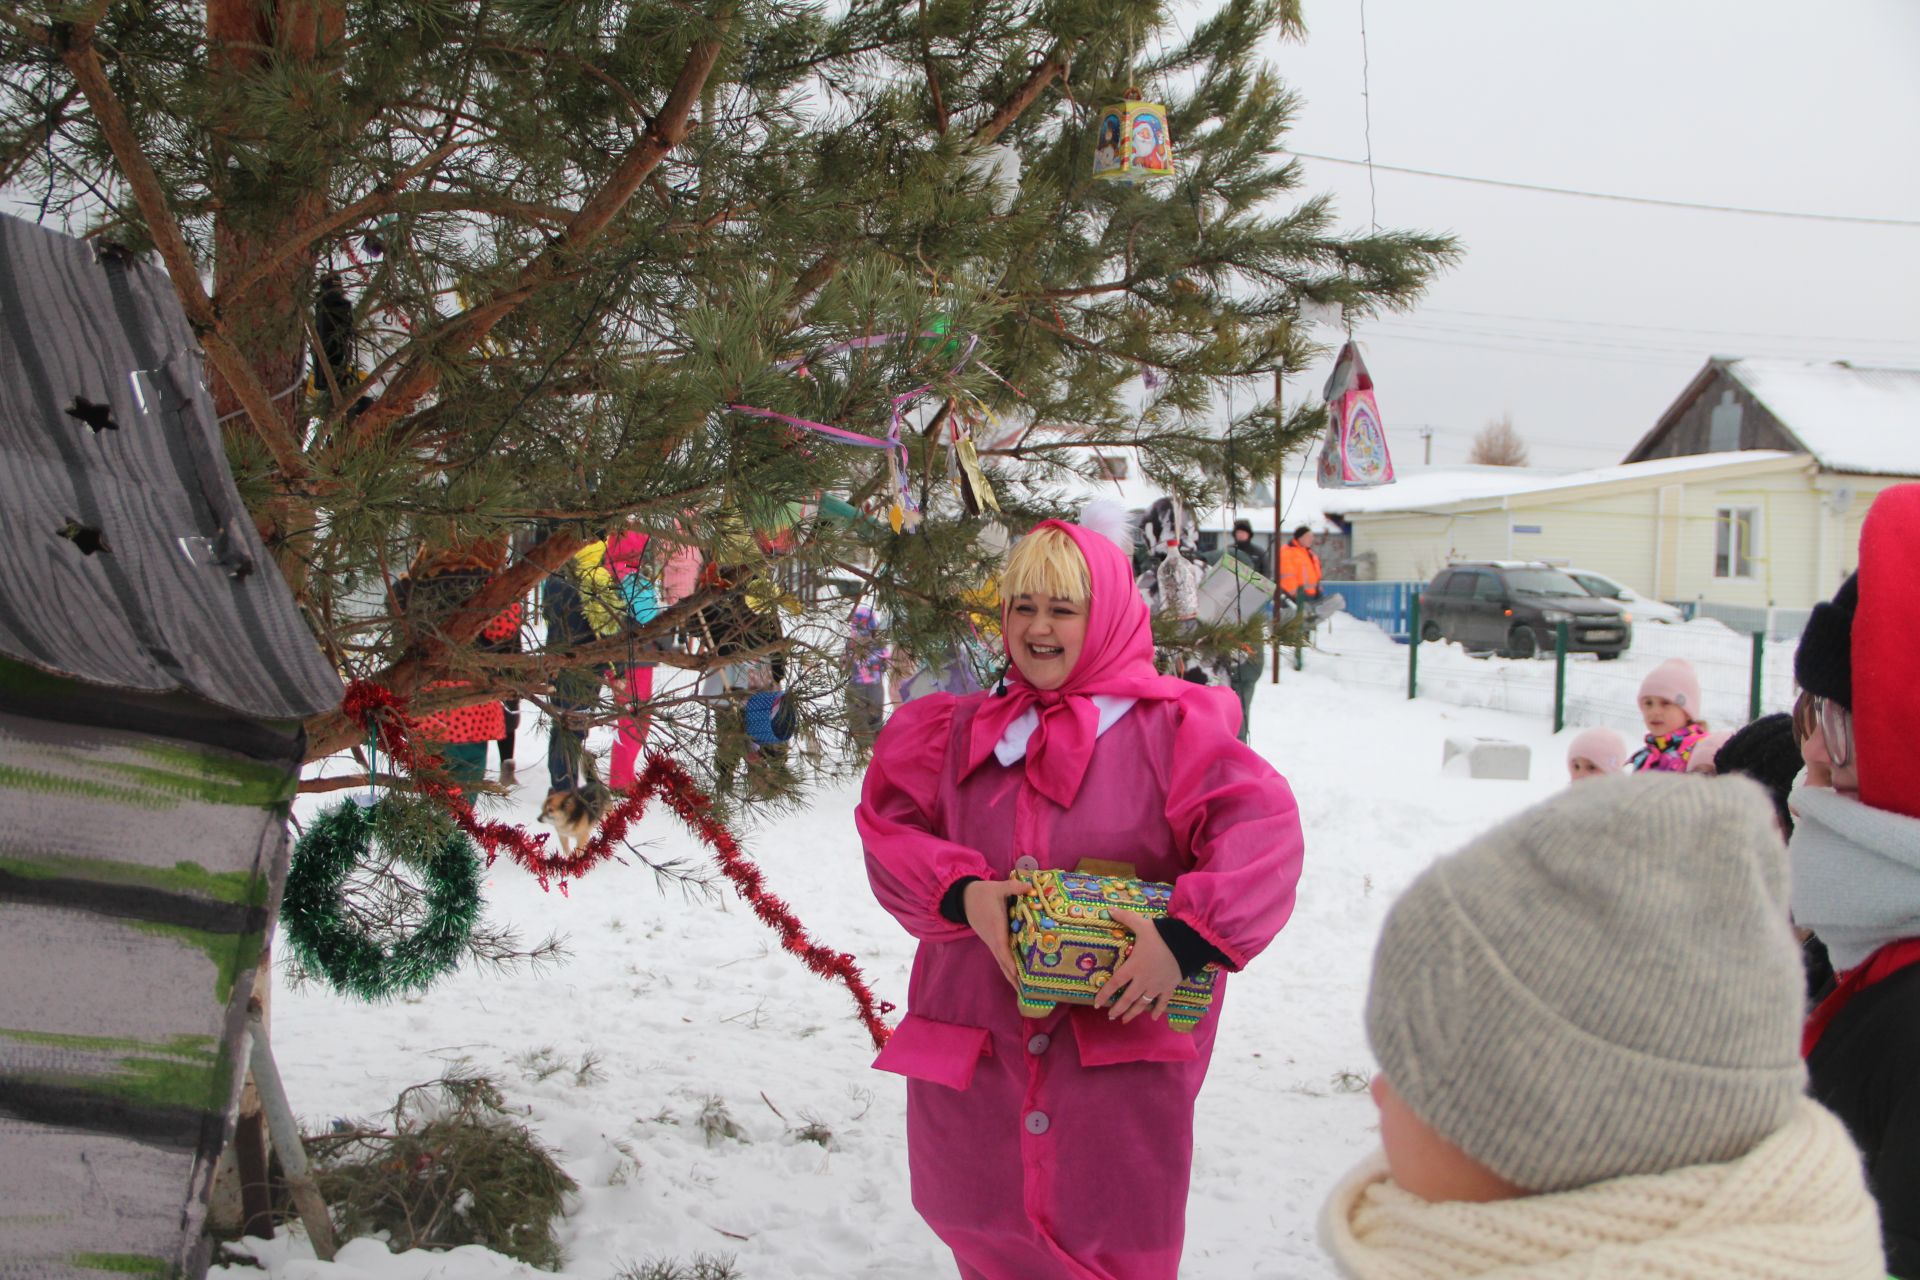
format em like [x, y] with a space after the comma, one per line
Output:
[1279, 478]
[1426, 434]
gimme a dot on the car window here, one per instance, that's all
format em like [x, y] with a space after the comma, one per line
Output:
[1487, 587]
[1438, 586]
[1597, 585]
[1461, 583]
[1542, 582]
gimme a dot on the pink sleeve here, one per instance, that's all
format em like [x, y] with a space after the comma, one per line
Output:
[1238, 819]
[909, 865]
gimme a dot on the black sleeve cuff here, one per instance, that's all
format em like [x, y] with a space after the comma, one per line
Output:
[1190, 951]
[953, 903]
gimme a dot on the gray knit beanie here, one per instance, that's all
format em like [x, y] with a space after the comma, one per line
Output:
[1604, 985]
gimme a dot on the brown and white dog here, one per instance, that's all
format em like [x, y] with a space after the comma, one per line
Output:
[574, 814]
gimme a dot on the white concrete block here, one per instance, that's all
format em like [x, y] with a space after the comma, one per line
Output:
[1486, 758]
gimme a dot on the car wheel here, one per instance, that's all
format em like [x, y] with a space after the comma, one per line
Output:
[1430, 631]
[1606, 657]
[1522, 643]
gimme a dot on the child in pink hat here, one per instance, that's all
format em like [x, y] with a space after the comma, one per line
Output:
[1670, 705]
[1595, 753]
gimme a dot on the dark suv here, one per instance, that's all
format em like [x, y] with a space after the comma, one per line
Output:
[1513, 607]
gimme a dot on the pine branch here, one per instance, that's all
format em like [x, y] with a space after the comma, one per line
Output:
[1050, 69]
[382, 201]
[82, 59]
[664, 132]
[427, 657]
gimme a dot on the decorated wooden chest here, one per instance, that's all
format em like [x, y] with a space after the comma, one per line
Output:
[1066, 945]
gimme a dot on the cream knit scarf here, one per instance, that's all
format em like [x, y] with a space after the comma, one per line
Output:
[1793, 1208]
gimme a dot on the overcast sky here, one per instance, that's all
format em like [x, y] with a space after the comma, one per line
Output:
[1585, 318]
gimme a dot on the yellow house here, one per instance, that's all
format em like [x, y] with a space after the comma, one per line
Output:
[1744, 500]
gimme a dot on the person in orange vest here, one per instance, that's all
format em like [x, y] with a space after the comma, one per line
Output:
[1300, 568]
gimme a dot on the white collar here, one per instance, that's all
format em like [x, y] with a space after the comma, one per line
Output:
[1012, 746]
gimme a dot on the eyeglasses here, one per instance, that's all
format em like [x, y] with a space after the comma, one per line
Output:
[1836, 727]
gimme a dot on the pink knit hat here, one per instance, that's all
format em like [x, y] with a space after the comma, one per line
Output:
[1706, 751]
[1604, 747]
[1675, 681]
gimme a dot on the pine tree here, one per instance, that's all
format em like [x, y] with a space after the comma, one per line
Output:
[479, 268]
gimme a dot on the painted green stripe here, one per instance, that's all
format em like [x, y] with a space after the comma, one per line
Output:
[181, 1046]
[151, 1082]
[241, 887]
[184, 773]
[231, 953]
[123, 1264]
[67, 785]
[275, 783]
[18, 677]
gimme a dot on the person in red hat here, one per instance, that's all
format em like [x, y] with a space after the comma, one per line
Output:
[1856, 860]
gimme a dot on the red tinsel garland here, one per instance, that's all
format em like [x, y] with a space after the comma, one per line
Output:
[384, 714]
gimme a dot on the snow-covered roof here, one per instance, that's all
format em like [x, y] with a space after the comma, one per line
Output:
[1849, 418]
[1442, 488]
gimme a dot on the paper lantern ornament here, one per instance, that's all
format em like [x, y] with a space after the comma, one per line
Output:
[1354, 455]
[1134, 143]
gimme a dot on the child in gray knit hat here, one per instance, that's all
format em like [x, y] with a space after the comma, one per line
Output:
[1587, 1023]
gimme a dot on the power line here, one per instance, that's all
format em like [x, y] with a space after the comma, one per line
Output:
[1614, 342]
[1668, 328]
[1371, 164]
[1668, 361]
[1366, 104]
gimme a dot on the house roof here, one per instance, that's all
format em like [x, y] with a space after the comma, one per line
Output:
[1453, 487]
[127, 558]
[1849, 418]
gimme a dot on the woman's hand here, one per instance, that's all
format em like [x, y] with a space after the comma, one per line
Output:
[1146, 978]
[986, 904]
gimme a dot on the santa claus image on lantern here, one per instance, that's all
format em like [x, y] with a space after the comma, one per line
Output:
[1150, 150]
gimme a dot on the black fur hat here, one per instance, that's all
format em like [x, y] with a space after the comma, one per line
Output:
[1823, 665]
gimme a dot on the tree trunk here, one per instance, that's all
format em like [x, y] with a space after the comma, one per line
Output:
[268, 322]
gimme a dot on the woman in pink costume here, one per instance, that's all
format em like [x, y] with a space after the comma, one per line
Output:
[1061, 1147]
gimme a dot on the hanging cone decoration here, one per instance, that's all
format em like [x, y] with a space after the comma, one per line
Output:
[1354, 455]
[1133, 143]
[976, 494]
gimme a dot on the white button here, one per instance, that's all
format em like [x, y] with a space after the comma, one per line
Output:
[1037, 1122]
[1026, 862]
[1039, 1044]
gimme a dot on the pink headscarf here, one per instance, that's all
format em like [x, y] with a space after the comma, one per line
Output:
[1117, 660]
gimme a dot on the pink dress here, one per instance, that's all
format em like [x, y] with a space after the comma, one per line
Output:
[1062, 1146]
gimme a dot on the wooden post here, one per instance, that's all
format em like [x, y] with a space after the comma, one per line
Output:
[250, 1131]
[286, 1139]
[1273, 548]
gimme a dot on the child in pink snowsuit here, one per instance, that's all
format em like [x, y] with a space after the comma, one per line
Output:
[1670, 704]
[1060, 1148]
[634, 685]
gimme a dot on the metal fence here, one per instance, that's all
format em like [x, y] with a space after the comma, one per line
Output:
[1388, 605]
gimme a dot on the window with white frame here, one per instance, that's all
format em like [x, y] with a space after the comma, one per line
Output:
[1735, 537]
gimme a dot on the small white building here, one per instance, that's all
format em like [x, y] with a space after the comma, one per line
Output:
[1745, 499]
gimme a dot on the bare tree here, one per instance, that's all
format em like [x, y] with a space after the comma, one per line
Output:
[1499, 445]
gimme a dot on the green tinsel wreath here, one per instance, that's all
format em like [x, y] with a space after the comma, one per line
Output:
[326, 943]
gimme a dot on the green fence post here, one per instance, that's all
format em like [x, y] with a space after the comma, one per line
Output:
[1413, 648]
[1559, 676]
[1759, 674]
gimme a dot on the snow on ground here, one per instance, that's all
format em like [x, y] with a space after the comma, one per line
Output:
[690, 1004]
[1598, 693]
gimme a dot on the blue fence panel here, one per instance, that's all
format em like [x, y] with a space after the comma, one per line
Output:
[1387, 604]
